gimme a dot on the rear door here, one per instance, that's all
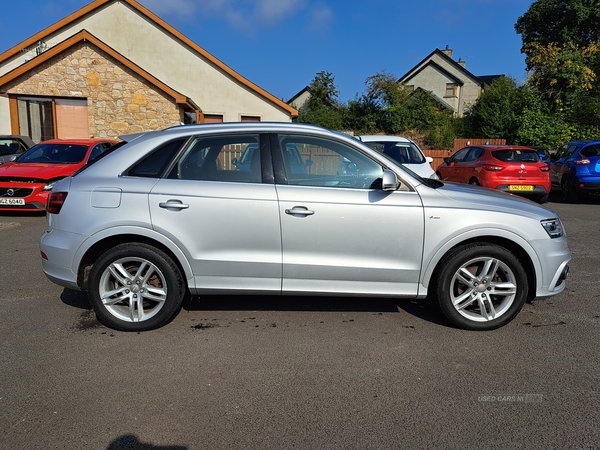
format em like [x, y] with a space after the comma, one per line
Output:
[227, 220]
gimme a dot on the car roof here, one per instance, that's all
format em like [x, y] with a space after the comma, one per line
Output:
[502, 147]
[382, 138]
[234, 127]
[89, 141]
[25, 139]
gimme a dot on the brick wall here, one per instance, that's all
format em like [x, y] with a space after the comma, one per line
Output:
[119, 100]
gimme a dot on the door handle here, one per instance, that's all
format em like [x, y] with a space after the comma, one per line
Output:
[299, 211]
[173, 204]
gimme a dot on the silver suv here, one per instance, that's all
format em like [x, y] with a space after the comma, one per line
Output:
[167, 214]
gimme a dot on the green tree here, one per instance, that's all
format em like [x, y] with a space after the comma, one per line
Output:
[322, 107]
[561, 44]
[495, 115]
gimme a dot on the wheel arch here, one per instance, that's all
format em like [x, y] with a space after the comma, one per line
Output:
[519, 251]
[95, 250]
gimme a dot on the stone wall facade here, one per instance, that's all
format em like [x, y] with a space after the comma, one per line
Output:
[119, 100]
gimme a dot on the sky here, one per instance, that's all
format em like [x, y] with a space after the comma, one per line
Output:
[280, 45]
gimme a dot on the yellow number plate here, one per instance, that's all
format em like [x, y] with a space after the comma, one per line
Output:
[520, 188]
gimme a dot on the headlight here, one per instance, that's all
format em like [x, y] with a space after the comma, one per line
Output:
[50, 185]
[553, 227]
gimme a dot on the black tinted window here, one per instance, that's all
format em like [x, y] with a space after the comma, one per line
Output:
[516, 155]
[591, 150]
[154, 165]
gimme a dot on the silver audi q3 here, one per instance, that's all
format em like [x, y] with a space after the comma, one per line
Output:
[168, 213]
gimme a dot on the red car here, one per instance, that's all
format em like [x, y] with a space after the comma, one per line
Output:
[26, 182]
[508, 168]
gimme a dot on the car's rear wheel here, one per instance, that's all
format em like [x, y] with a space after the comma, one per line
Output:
[474, 182]
[568, 191]
[135, 287]
[480, 286]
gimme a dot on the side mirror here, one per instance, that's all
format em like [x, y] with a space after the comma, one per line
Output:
[234, 161]
[389, 181]
[447, 160]
[429, 159]
[308, 163]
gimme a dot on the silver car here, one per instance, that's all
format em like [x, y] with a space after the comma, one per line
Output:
[167, 214]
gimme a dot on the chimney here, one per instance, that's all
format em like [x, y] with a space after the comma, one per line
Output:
[461, 62]
[447, 52]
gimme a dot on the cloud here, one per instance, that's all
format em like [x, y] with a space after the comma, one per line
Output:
[240, 14]
[321, 17]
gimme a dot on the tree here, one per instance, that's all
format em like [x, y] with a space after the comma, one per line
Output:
[322, 107]
[496, 112]
[560, 41]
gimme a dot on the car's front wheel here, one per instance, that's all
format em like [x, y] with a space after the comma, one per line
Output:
[480, 286]
[135, 287]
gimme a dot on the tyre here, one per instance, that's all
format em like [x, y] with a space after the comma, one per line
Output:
[567, 191]
[480, 286]
[543, 199]
[474, 182]
[135, 287]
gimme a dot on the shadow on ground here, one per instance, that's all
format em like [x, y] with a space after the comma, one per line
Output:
[417, 308]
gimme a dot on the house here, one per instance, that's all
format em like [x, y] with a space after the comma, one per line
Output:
[448, 81]
[299, 100]
[113, 67]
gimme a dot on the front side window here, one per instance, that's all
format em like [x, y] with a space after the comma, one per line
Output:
[234, 158]
[313, 161]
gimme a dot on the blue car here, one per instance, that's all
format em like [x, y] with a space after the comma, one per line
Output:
[575, 169]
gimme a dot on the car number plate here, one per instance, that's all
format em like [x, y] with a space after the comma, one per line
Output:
[520, 187]
[12, 201]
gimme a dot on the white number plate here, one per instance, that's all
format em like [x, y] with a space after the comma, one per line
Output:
[12, 201]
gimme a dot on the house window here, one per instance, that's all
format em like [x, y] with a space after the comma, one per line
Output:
[451, 89]
[71, 118]
[43, 118]
[213, 118]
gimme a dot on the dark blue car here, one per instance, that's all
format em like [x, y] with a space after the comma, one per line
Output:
[575, 169]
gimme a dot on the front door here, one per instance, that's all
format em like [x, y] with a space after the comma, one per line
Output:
[341, 233]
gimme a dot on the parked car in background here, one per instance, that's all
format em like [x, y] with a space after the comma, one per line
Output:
[26, 181]
[543, 153]
[157, 218]
[401, 150]
[12, 146]
[575, 169]
[513, 169]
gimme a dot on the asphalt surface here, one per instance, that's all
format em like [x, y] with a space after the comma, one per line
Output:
[305, 373]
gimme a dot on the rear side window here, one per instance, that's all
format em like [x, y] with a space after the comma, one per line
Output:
[155, 164]
[520, 156]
